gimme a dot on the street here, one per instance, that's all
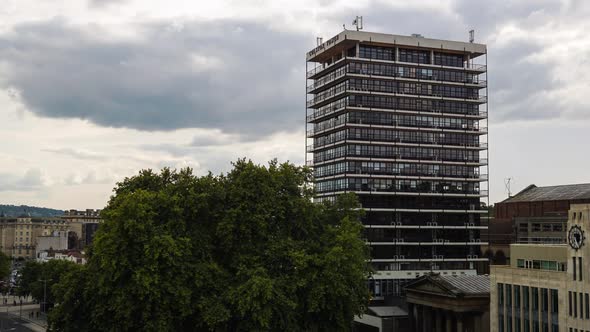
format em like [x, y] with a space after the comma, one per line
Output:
[12, 323]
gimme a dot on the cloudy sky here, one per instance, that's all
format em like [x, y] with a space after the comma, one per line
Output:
[92, 91]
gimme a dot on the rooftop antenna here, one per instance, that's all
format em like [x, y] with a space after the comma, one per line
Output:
[319, 41]
[358, 22]
[507, 185]
[471, 36]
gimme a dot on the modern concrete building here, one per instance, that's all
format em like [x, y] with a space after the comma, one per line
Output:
[546, 287]
[401, 122]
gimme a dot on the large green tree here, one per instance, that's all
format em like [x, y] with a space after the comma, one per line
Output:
[244, 251]
[37, 279]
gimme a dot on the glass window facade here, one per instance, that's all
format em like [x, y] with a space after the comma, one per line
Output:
[405, 131]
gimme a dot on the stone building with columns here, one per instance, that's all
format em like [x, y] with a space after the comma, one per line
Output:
[449, 303]
[546, 287]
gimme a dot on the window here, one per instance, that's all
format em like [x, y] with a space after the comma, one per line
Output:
[546, 227]
[586, 305]
[575, 297]
[574, 269]
[523, 227]
[570, 308]
[581, 305]
[520, 263]
[580, 268]
[536, 227]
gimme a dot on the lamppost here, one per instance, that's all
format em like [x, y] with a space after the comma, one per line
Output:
[44, 295]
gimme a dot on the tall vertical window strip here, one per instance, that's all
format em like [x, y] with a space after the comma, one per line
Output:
[575, 297]
[554, 310]
[517, 308]
[587, 305]
[500, 307]
[569, 297]
[574, 269]
[508, 308]
[545, 309]
[581, 305]
[580, 268]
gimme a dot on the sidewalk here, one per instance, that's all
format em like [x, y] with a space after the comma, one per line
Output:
[36, 324]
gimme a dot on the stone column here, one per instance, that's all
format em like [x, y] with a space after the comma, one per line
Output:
[439, 322]
[449, 321]
[459, 322]
[411, 317]
[426, 319]
[477, 322]
[419, 318]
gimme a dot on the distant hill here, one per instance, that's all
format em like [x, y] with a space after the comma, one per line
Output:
[15, 211]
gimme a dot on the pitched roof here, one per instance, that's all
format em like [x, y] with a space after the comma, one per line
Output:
[552, 193]
[469, 285]
[456, 286]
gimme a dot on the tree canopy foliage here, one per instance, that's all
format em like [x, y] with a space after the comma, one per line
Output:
[37, 279]
[243, 251]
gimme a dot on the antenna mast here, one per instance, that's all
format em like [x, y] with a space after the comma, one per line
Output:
[507, 185]
[358, 22]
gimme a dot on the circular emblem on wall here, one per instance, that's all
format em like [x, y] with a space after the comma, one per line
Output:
[576, 237]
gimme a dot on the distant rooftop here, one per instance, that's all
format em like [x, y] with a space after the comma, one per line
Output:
[470, 285]
[552, 193]
[455, 285]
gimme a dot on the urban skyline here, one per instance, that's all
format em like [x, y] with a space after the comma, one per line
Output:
[75, 142]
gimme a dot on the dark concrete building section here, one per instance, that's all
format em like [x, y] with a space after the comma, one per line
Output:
[449, 303]
[401, 121]
[382, 319]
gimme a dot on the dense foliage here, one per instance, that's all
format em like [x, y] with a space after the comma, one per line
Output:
[37, 279]
[245, 251]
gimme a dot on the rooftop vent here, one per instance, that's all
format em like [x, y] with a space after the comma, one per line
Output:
[417, 35]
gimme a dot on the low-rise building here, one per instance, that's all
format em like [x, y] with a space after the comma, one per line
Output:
[448, 303]
[25, 236]
[546, 287]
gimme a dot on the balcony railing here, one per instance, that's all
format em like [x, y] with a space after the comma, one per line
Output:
[318, 69]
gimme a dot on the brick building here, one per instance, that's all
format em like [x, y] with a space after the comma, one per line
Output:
[534, 215]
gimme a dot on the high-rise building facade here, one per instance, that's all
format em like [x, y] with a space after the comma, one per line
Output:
[401, 122]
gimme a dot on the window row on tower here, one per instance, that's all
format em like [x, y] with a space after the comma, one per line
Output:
[399, 136]
[400, 71]
[396, 168]
[399, 103]
[397, 185]
[388, 86]
[401, 120]
[397, 152]
[411, 55]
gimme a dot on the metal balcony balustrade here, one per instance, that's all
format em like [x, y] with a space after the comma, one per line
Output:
[431, 159]
[316, 71]
[401, 125]
[367, 188]
[373, 139]
[421, 223]
[399, 174]
[346, 86]
[393, 73]
[324, 67]
[342, 104]
[426, 243]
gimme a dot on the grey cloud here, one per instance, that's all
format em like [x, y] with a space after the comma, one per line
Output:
[31, 181]
[77, 154]
[236, 76]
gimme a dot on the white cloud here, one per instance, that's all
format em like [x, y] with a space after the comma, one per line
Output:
[538, 85]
